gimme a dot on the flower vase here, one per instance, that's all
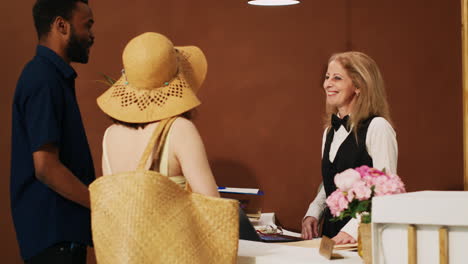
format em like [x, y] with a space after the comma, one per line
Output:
[365, 242]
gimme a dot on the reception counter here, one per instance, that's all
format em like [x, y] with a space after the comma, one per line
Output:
[251, 252]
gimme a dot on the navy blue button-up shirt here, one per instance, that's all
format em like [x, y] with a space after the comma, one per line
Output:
[45, 111]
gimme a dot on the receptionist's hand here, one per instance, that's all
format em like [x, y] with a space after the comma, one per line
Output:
[343, 238]
[309, 227]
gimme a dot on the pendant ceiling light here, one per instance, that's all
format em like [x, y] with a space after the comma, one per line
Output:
[273, 2]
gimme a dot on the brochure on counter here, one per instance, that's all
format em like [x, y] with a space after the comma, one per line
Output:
[240, 190]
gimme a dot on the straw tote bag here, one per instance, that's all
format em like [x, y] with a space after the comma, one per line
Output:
[142, 217]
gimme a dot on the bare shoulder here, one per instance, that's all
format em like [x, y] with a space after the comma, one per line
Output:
[183, 126]
[185, 137]
[113, 130]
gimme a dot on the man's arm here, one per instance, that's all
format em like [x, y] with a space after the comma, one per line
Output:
[50, 171]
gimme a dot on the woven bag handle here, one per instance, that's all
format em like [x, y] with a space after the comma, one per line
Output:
[159, 134]
[162, 139]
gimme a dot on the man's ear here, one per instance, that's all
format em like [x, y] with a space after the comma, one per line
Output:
[61, 25]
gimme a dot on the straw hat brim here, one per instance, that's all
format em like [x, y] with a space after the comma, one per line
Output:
[130, 104]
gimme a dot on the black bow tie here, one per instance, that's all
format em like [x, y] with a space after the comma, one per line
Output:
[336, 122]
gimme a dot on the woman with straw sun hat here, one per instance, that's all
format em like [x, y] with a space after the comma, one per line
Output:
[158, 201]
[158, 82]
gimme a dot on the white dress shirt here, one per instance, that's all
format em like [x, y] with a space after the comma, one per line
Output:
[382, 147]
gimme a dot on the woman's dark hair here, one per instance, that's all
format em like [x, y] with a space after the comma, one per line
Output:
[46, 11]
[190, 115]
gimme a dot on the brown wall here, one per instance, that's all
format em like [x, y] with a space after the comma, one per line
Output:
[262, 100]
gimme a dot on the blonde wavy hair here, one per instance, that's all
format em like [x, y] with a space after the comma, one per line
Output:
[365, 75]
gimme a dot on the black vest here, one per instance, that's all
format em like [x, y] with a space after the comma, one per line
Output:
[350, 154]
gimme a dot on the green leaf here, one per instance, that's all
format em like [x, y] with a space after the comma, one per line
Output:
[363, 206]
[108, 80]
[366, 218]
[103, 82]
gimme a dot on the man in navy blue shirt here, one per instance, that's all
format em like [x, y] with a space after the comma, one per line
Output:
[51, 164]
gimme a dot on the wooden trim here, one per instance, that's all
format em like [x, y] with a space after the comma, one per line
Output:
[443, 245]
[412, 245]
[464, 31]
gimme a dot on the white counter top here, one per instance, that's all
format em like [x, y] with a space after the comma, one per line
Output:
[251, 252]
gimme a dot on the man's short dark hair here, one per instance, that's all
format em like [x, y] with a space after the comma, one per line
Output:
[46, 11]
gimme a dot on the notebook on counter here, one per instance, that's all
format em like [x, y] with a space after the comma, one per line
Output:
[248, 232]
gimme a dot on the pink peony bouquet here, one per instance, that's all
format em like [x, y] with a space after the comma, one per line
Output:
[355, 189]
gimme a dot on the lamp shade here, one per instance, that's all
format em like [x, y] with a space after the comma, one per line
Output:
[273, 2]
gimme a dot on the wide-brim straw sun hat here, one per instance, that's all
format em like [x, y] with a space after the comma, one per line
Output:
[158, 80]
